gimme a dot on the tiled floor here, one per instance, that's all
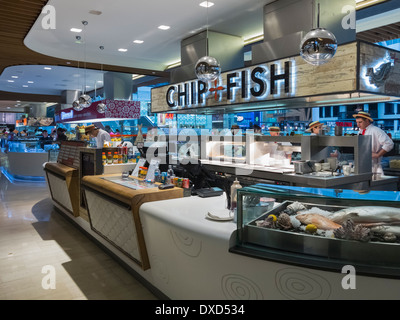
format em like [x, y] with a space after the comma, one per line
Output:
[33, 236]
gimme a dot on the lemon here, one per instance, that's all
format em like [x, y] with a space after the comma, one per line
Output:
[273, 217]
[311, 228]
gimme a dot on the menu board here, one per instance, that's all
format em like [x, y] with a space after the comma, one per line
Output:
[69, 153]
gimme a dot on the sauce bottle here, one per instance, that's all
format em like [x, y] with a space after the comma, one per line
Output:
[104, 158]
[109, 158]
[235, 186]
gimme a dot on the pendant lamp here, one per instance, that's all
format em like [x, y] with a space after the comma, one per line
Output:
[85, 100]
[207, 68]
[318, 46]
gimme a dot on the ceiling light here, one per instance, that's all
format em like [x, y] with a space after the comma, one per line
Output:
[15, 77]
[207, 68]
[122, 50]
[75, 30]
[10, 80]
[173, 65]
[162, 27]
[25, 86]
[95, 12]
[137, 76]
[253, 39]
[47, 68]
[360, 4]
[319, 45]
[138, 41]
[30, 82]
[206, 4]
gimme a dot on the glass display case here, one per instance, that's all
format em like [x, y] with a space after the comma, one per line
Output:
[24, 145]
[321, 228]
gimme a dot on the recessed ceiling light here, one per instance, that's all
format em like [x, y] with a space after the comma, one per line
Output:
[47, 68]
[75, 30]
[10, 80]
[162, 27]
[122, 50]
[25, 86]
[95, 12]
[30, 82]
[138, 41]
[206, 4]
[15, 77]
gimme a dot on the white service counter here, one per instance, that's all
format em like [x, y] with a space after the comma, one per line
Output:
[27, 164]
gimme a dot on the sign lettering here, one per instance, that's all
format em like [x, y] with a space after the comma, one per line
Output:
[253, 83]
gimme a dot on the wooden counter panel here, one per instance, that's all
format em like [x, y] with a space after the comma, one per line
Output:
[131, 199]
[70, 177]
[60, 169]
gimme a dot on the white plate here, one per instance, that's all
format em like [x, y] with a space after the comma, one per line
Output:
[219, 215]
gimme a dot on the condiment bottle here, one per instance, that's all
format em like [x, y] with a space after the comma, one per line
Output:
[157, 174]
[235, 186]
[109, 158]
[115, 158]
[104, 158]
[170, 174]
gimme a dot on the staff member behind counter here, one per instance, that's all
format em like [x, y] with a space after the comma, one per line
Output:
[381, 143]
[314, 128]
[276, 152]
[100, 135]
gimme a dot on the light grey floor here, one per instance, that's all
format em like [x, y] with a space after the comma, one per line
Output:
[37, 243]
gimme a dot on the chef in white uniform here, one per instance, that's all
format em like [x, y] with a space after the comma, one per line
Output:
[276, 152]
[381, 142]
[99, 134]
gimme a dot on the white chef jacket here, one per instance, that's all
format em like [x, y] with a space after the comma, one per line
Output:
[101, 137]
[380, 140]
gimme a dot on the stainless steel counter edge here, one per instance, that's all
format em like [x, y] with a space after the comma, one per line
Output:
[293, 178]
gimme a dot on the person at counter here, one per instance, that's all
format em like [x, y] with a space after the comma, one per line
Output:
[381, 143]
[45, 139]
[274, 131]
[235, 129]
[276, 148]
[314, 128]
[257, 129]
[100, 135]
[61, 135]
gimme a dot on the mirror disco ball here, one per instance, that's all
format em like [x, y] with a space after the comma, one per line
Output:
[207, 69]
[318, 46]
[101, 108]
[76, 106]
[85, 101]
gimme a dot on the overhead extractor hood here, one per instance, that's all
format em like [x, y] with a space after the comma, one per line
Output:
[227, 49]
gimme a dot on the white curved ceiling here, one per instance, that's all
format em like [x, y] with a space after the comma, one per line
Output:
[123, 21]
[49, 80]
